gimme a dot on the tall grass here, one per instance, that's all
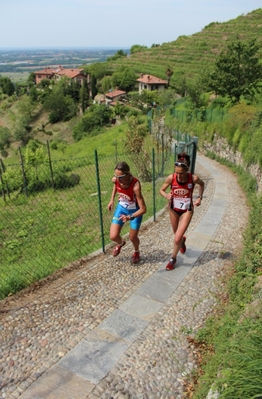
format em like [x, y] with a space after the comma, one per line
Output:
[234, 367]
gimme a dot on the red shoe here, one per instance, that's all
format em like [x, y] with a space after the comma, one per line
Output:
[135, 258]
[171, 264]
[183, 246]
[117, 249]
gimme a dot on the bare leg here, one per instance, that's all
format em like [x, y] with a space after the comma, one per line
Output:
[133, 235]
[115, 230]
[179, 224]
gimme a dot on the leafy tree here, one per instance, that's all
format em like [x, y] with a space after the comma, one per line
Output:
[195, 93]
[44, 83]
[33, 94]
[169, 73]
[237, 71]
[84, 96]
[137, 48]
[134, 143]
[7, 86]
[106, 84]
[68, 87]
[5, 139]
[22, 128]
[95, 117]
[31, 79]
[180, 84]
[98, 70]
[94, 90]
[22, 131]
[124, 78]
[118, 54]
[61, 108]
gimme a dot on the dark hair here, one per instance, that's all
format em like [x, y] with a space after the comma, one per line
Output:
[123, 166]
[184, 157]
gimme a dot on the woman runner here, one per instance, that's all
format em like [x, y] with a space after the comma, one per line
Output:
[130, 208]
[181, 207]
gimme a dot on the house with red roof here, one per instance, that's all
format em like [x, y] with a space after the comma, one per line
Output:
[112, 97]
[46, 73]
[76, 74]
[150, 82]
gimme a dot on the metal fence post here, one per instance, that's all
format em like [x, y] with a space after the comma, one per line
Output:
[23, 171]
[195, 141]
[154, 184]
[50, 164]
[99, 202]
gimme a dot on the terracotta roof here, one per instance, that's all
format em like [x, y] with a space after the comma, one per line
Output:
[46, 71]
[151, 80]
[69, 72]
[115, 93]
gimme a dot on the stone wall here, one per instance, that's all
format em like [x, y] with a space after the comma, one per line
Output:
[220, 147]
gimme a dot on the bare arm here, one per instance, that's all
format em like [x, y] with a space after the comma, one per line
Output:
[111, 202]
[140, 202]
[164, 187]
[201, 184]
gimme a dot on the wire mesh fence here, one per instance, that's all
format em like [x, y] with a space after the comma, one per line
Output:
[205, 115]
[55, 212]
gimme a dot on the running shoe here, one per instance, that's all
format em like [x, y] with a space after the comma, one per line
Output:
[135, 258]
[171, 264]
[183, 246]
[117, 249]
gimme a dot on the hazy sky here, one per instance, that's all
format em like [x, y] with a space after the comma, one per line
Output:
[110, 23]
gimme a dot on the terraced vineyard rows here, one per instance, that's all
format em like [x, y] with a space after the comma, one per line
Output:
[194, 54]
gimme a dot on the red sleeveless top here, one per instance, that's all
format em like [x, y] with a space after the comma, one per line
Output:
[182, 194]
[126, 196]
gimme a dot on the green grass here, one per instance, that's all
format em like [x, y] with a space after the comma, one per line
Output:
[234, 365]
[193, 55]
[46, 231]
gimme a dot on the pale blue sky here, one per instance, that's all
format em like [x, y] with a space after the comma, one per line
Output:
[110, 23]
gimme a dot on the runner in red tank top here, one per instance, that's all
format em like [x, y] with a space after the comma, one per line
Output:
[181, 205]
[130, 208]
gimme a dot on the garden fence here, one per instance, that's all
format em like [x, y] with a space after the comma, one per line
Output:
[54, 213]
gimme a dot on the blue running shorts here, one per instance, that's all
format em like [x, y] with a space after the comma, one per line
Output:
[120, 210]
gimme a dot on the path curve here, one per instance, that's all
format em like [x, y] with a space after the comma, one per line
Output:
[112, 330]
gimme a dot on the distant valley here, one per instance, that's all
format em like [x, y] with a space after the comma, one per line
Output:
[18, 63]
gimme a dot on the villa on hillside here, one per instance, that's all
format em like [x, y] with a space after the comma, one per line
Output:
[150, 82]
[112, 97]
[78, 75]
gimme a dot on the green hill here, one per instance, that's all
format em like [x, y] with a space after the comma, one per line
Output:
[188, 57]
[191, 55]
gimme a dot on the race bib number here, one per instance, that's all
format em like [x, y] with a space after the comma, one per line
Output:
[127, 204]
[183, 204]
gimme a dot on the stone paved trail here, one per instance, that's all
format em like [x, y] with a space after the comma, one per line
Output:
[111, 330]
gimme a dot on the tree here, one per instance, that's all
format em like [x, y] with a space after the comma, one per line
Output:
[106, 84]
[94, 118]
[124, 78]
[31, 79]
[94, 90]
[195, 92]
[237, 71]
[97, 70]
[61, 107]
[7, 86]
[137, 48]
[33, 94]
[134, 144]
[118, 54]
[84, 96]
[169, 73]
[5, 139]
